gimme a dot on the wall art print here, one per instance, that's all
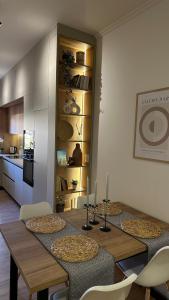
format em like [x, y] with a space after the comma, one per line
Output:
[152, 125]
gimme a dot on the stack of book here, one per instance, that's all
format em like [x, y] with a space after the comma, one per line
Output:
[81, 82]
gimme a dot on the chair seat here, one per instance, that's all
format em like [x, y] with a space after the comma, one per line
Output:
[134, 264]
[61, 294]
[160, 292]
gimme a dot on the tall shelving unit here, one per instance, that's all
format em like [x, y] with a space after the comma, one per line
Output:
[74, 81]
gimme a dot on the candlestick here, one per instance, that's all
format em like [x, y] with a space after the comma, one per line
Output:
[87, 190]
[95, 193]
[86, 226]
[105, 228]
[93, 221]
[107, 186]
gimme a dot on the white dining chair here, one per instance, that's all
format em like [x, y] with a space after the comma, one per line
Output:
[35, 210]
[155, 273]
[81, 200]
[117, 291]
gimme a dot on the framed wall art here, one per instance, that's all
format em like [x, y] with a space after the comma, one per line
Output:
[61, 157]
[152, 125]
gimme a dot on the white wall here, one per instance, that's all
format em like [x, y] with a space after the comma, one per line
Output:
[34, 79]
[135, 59]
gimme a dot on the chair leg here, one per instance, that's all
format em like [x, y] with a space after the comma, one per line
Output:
[30, 297]
[147, 294]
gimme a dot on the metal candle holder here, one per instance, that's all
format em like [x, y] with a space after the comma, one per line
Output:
[105, 228]
[94, 221]
[87, 226]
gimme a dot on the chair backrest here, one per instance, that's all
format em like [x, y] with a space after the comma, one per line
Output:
[81, 200]
[117, 291]
[35, 210]
[156, 272]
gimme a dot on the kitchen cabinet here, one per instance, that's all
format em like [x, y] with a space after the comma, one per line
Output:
[18, 195]
[8, 184]
[7, 87]
[0, 173]
[41, 156]
[8, 169]
[27, 193]
[41, 75]
[24, 76]
[12, 182]
[3, 121]
[15, 117]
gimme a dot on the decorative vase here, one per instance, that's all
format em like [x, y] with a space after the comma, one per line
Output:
[77, 155]
[74, 186]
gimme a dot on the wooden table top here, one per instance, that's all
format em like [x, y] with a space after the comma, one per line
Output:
[120, 244]
[40, 269]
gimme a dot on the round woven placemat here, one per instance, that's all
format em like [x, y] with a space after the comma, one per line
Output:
[75, 248]
[111, 209]
[45, 224]
[141, 228]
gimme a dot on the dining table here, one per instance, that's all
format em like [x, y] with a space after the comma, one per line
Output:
[39, 268]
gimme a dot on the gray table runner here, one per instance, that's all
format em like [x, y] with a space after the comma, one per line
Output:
[98, 271]
[153, 244]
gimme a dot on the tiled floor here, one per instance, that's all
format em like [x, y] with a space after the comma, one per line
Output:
[9, 211]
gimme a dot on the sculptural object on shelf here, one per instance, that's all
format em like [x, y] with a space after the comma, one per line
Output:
[70, 106]
[77, 155]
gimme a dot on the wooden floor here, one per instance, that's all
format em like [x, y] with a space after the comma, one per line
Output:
[9, 211]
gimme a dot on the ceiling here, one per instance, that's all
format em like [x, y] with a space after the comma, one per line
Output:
[27, 21]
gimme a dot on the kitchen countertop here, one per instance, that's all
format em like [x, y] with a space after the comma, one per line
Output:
[16, 161]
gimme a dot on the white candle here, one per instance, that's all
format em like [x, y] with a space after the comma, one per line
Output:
[95, 193]
[87, 190]
[107, 186]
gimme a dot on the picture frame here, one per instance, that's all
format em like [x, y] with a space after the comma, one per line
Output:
[151, 139]
[61, 155]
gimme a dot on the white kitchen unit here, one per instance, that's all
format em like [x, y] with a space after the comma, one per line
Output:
[12, 182]
[27, 194]
[8, 177]
[0, 173]
[18, 194]
[8, 184]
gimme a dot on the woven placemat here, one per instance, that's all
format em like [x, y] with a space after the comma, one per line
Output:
[75, 248]
[110, 208]
[141, 228]
[45, 224]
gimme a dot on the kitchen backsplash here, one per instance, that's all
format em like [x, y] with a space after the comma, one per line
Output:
[11, 140]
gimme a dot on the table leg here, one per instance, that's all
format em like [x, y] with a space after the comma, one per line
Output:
[42, 295]
[13, 280]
